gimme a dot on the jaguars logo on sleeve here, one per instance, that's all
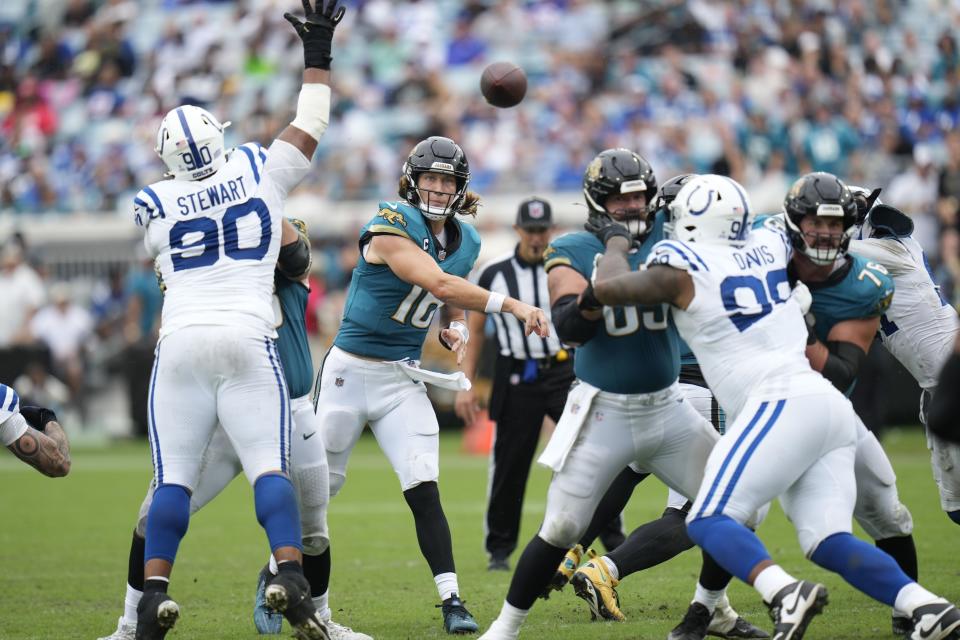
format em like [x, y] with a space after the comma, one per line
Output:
[863, 289]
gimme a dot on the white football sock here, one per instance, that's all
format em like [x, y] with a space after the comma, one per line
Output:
[130, 602]
[913, 596]
[611, 568]
[511, 618]
[323, 605]
[710, 599]
[446, 585]
[771, 580]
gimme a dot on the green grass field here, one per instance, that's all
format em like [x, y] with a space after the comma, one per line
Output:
[63, 553]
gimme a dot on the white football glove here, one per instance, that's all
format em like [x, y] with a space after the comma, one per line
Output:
[803, 297]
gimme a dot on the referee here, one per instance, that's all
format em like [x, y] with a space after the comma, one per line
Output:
[531, 377]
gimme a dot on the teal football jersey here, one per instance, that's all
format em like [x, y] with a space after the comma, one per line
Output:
[385, 317]
[637, 349]
[292, 335]
[859, 289]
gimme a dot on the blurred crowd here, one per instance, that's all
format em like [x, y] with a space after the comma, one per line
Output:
[762, 90]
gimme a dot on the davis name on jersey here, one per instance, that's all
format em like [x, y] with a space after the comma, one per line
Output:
[630, 334]
[385, 317]
[743, 325]
[216, 242]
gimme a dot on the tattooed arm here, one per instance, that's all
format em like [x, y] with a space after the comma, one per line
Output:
[48, 451]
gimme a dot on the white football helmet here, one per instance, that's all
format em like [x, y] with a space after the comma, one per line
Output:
[710, 208]
[190, 143]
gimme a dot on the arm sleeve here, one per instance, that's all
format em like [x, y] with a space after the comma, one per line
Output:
[843, 364]
[572, 327]
[286, 166]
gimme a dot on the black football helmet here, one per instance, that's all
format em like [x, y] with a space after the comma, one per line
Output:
[823, 195]
[439, 155]
[619, 171]
[669, 190]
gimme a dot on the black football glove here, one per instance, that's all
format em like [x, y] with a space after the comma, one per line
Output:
[605, 227]
[38, 417]
[317, 32]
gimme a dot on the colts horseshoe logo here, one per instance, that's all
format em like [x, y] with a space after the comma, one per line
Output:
[699, 211]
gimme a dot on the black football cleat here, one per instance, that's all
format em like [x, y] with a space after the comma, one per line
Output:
[456, 618]
[694, 624]
[289, 594]
[156, 614]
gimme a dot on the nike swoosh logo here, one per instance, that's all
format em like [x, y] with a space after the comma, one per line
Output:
[932, 630]
[392, 206]
[796, 604]
[307, 436]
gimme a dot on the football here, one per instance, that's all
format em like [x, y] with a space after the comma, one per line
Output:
[503, 84]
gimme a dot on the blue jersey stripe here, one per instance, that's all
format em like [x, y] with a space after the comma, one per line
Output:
[730, 455]
[3, 393]
[157, 460]
[197, 160]
[687, 247]
[156, 200]
[680, 251]
[283, 404]
[286, 395]
[14, 401]
[746, 458]
[253, 163]
[262, 154]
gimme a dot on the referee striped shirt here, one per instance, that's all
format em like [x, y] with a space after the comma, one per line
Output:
[510, 275]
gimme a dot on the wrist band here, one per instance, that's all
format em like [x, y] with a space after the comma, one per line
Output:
[313, 109]
[494, 302]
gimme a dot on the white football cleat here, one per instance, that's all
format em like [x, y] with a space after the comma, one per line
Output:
[125, 631]
[338, 631]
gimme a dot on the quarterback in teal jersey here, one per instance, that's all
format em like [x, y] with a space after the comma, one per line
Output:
[626, 406]
[849, 296]
[309, 474]
[414, 255]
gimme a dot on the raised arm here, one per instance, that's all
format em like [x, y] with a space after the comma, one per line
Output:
[313, 106]
[411, 264]
[616, 284]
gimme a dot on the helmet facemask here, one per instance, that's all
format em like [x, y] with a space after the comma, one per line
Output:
[820, 196]
[436, 154]
[822, 247]
[615, 172]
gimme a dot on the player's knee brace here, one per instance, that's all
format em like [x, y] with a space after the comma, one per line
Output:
[167, 522]
[337, 480]
[315, 545]
[562, 529]
[954, 515]
[275, 502]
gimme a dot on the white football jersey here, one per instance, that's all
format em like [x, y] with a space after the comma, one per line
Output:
[920, 327]
[216, 241]
[12, 425]
[743, 325]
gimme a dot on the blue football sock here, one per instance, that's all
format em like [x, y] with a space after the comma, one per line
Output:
[275, 502]
[862, 565]
[954, 515]
[167, 522]
[732, 545]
